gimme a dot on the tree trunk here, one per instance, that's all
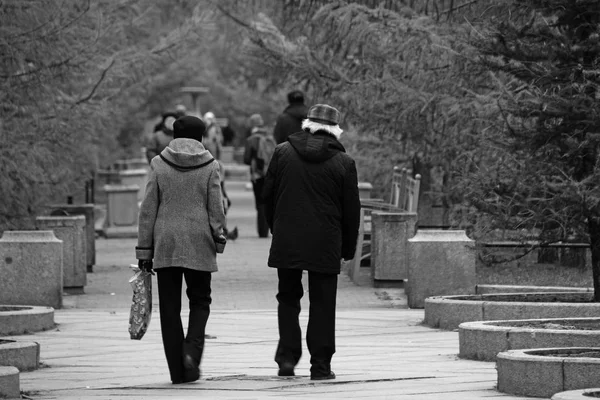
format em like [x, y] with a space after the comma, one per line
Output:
[594, 232]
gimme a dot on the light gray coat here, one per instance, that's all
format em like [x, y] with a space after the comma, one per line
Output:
[182, 211]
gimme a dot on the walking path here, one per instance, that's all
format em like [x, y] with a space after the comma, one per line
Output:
[383, 351]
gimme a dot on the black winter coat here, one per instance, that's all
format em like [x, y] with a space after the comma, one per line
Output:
[289, 121]
[312, 203]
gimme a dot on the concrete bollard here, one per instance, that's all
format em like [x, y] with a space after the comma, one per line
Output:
[137, 163]
[137, 177]
[440, 263]
[227, 154]
[103, 178]
[10, 387]
[390, 232]
[86, 210]
[31, 268]
[121, 211]
[364, 190]
[72, 231]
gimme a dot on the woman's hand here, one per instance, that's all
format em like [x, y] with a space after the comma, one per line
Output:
[146, 266]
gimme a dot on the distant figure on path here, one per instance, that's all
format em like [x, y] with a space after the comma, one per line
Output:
[213, 136]
[162, 135]
[290, 120]
[259, 149]
[254, 121]
[313, 209]
[180, 231]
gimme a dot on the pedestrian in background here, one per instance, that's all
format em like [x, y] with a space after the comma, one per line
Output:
[162, 135]
[213, 136]
[313, 209]
[259, 149]
[254, 121]
[180, 231]
[290, 120]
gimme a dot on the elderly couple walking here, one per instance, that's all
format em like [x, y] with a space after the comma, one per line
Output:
[312, 208]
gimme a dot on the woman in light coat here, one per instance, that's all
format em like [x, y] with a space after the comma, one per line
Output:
[180, 231]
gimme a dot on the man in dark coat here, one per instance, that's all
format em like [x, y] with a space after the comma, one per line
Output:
[290, 120]
[313, 210]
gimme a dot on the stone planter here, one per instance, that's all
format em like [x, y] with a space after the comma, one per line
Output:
[227, 154]
[137, 177]
[484, 340]
[545, 372]
[17, 320]
[10, 387]
[72, 231]
[440, 262]
[364, 190]
[31, 268]
[448, 312]
[86, 210]
[25, 356]
[390, 232]
[497, 289]
[121, 211]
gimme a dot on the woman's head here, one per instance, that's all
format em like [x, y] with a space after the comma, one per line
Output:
[189, 127]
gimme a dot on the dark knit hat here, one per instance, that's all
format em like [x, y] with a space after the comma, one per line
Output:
[295, 96]
[189, 127]
[324, 114]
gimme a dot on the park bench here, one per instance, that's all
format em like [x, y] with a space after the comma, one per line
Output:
[404, 198]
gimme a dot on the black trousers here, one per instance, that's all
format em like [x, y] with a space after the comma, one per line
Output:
[261, 219]
[169, 298]
[320, 334]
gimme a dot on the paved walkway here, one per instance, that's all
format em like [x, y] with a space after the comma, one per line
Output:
[383, 351]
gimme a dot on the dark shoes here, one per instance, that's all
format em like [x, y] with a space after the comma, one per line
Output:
[191, 370]
[331, 375]
[286, 369]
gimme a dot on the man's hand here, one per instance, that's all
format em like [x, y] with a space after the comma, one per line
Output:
[146, 266]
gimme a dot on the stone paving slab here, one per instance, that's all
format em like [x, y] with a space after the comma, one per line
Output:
[93, 358]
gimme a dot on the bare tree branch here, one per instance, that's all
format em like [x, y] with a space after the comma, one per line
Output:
[93, 91]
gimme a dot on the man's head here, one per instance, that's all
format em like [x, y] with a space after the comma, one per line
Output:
[209, 118]
[323, 117]
[295, 97]
[166, 124]
[180, 110]
[256, 120]
[189, 127]
[324, 114]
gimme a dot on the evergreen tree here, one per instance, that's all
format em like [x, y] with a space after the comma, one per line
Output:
[396, 69]
[542, 169]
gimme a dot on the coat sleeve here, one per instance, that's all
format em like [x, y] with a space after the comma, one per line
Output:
[351, 212]
[216, 213]
[147, 217]
[270, 189]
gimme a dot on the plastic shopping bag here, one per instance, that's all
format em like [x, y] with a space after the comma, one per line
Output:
[141, 304]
